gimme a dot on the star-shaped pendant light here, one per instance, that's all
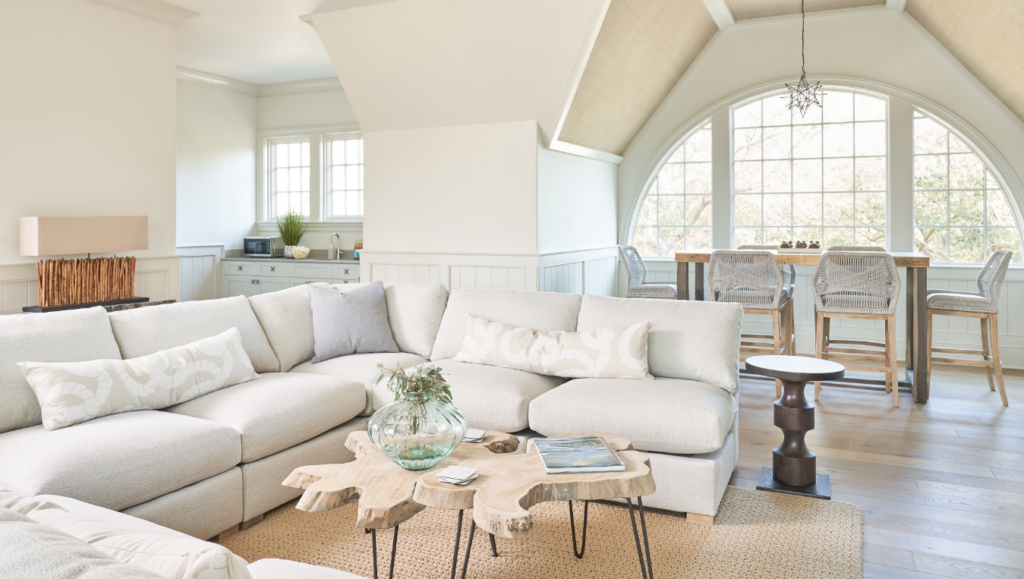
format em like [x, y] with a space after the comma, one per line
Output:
[804, 94]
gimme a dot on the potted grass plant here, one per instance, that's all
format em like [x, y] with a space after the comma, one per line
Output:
[421, 427]
[292, 227]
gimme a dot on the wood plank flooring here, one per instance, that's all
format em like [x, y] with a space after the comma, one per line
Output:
[941, 485]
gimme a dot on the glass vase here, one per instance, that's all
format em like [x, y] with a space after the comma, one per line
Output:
[417, 432]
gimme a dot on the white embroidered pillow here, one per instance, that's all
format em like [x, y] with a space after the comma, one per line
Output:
[599, 353]
[73, 392]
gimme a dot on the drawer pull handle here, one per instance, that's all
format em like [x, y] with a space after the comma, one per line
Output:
[346, 272]
[310, 281]
[239, 268]
[273, 269]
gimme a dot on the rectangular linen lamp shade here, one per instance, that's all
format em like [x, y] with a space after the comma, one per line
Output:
[42, 236]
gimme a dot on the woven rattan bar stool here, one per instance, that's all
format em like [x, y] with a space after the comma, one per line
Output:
[754, 280]
[857, 285]
[984, 305]
[638, 286]
[789, 277]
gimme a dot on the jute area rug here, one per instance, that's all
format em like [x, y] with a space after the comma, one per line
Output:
[756, 534]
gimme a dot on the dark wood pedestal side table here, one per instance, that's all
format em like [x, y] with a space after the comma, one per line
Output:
[794, 464]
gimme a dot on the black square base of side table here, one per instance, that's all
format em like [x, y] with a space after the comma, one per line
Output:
[821, 489]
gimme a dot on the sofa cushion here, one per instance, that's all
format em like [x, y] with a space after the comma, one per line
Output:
[689, 340]
[31, 549]
[118, 461]
[361, 368]
[71, 336]
[536, 310]
[142, 331]
[279, 410]
[414, 312]
[74, 392]
[354, 322]
[660, 415]
[489, 397]
[287, 321]
[121, 519]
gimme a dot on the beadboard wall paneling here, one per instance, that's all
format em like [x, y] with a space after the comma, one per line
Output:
[948, 331]
[200, 271]
[157, 278]
[407, 273]
[485, 277]
[563, 278]
[599, 275]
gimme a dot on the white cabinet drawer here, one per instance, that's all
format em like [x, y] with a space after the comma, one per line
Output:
[240, 268]
[348, 272]
[310, 270]
[303, 281]
[272, 269]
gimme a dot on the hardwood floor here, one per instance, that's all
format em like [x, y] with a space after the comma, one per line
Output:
[941, 485]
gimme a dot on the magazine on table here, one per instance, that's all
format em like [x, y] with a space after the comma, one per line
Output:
[577, 455]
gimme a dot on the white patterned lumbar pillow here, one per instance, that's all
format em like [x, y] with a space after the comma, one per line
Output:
[73, 392]
[600, 353]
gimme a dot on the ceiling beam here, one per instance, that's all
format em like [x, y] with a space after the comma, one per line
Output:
[720, 13]
[897, 5]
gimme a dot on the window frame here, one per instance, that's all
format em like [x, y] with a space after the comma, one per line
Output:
[317, 136]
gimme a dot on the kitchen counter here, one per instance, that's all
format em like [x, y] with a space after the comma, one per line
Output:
[289, 260]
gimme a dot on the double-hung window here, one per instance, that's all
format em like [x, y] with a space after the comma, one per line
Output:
[317, 173]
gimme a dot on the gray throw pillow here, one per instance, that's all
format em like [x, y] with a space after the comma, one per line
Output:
[354, 322]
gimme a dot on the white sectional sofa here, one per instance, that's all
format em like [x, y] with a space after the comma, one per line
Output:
[214, 462]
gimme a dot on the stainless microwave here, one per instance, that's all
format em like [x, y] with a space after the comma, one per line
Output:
[263, 247]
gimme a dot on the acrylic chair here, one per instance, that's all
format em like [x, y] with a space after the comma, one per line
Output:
[638, 285]
[754, 280]
[984, 305]
[858, 285]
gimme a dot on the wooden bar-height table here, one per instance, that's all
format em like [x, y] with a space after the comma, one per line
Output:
[916, 283]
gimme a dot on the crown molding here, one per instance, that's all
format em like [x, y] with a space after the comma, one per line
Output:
[308, 19]
[299, 86]
[897, 5]
[210, 80]
[153, 9]
[581, 151]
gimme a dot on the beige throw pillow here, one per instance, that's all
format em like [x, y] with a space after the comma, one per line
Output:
[73, 392]
[600, 353]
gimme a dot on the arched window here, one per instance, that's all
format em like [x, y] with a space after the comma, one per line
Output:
[961, 214]
[819, 177]
[675, 211]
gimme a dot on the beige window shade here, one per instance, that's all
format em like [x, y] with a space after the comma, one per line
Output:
[42, 236]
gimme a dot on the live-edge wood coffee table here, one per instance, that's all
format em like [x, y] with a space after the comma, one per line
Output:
[506, 487]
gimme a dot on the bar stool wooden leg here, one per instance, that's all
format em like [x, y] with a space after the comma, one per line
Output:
[777, 344]
[890, 351]
[928, 345]
[994, 326]
[986, 352]
[819, 343]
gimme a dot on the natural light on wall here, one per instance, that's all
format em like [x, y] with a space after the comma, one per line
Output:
[821, 177]
[675, 214]
[961, 214]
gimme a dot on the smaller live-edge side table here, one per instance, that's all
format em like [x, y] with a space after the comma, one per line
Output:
[794, 465]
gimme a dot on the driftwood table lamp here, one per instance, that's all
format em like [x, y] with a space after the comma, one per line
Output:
[67, 283]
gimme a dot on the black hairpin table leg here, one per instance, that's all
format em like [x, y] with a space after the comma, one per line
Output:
[458, 538]
[469, 547]
[494, 548]
[394, 548]
[572, 527]
[646, 571]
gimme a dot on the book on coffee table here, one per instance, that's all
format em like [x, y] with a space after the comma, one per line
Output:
[577, 455]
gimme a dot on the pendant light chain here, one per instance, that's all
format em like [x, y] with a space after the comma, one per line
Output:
[804, 94]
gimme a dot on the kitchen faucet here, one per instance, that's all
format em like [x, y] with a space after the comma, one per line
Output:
[335, 251]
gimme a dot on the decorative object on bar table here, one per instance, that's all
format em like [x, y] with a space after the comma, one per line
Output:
[814, 245]
[292, 228]
[804, 94]
[421, 427]
[66, 283]
[786, 245]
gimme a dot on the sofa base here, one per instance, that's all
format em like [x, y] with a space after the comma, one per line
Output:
[693, 484]
[261, 480]
[203, 509]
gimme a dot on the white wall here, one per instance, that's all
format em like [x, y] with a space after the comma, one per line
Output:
[314, 109]
[216, 166]
[575, 202]
[88, 118]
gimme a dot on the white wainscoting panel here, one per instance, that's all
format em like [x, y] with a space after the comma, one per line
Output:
[486, 277]
[405, 273]
[948, 331]
[599, 275]
[200, 271]
[20, 293]
[563, 278]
